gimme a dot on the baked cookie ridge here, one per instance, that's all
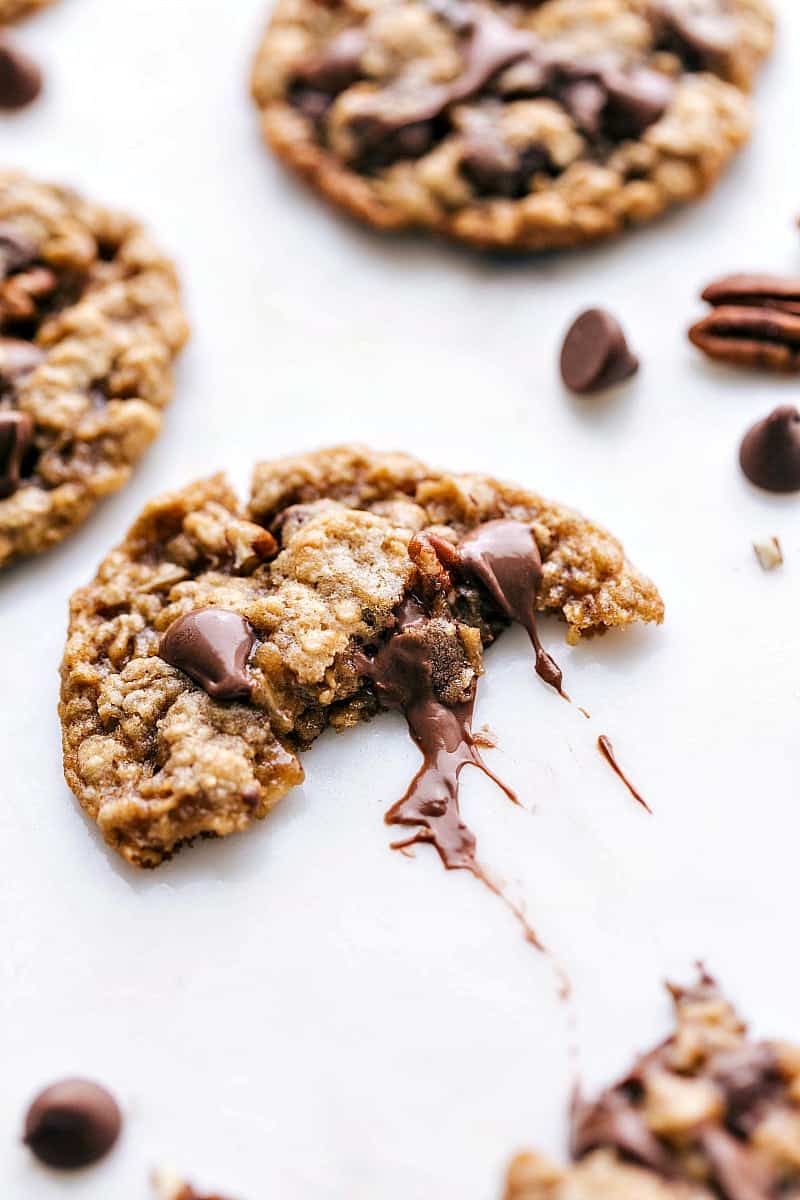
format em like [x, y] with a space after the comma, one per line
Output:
[525, 127]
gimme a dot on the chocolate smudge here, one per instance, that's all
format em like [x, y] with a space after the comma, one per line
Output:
[606, 748]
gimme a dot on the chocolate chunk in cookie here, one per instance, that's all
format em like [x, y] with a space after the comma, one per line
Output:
[90, 322]
[218, 641]
[707, 1115]
[526, 126]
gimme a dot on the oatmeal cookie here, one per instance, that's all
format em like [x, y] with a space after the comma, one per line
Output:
[219, 640]
[524, 126]
[90, 322]
[708, 1115]
[13, 10]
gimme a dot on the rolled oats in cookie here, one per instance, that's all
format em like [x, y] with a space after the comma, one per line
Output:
[218, 641]
[710, 1114]
[524, 126]
[90, 323]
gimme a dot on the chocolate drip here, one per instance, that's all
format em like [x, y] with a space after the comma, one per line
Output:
[402, 674]
[607, 750]
[503, 556]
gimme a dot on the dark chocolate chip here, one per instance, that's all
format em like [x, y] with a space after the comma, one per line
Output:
[16, 435]
[490, 167]
[72, 1124]
[595, 354]
[636, 100]
[770, 451]
[338, 66]
[701, 29]
[17, 359]
[16, 249]
[585, 101]
[212, 646]
[20, 78]
[310, 103]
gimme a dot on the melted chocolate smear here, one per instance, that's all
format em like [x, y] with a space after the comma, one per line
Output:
[402, 676]
[504, 557]
[607, 750]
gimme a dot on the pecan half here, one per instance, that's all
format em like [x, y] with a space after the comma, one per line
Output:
[767, 291]
[755, 322]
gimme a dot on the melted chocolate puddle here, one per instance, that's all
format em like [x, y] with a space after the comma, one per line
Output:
[607, 750]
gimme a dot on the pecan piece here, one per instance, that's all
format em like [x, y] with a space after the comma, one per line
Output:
[750, 336]
[756, 291]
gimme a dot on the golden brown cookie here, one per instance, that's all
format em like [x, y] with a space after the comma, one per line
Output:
[523, 126]
[90, 322]
[710, 1114]
[218, 641]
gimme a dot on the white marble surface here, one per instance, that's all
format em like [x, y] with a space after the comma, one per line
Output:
[299, 1012]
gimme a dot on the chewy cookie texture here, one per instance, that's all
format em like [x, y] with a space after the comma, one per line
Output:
[218, 641]
[708, 1115]
[510, 125]
[90, 322]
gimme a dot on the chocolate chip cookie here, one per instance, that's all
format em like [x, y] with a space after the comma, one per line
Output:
[510, 125]
[219, 640]
[90, 322]
[708, 1115]
[12, 10]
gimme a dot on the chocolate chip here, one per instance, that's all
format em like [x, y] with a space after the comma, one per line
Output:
[585, 101]
[17, 359]
[16, 435]
[338, 66]
[212, 646]
[16, 249]
[310, 103]
[700, 30]
[20, 78]
[490, 167]
[595, 354]
[637, 98]
[72, 1124]
[770, 451]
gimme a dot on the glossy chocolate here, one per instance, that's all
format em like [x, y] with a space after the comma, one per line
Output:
[16, 436]
[212, 646]
[607, 750]
[595, 354]
[72, 1124]
[503, 556]
[402, 675]
[770, 451]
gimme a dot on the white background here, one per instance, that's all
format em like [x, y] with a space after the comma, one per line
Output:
[299, 1012]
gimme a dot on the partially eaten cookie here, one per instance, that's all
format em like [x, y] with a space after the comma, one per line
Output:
[219, 640]
[708, 1115]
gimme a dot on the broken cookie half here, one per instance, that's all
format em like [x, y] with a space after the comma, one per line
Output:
[218, 641]
[708, 1115]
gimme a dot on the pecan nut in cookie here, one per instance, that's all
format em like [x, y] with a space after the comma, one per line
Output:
[218, 641]
[90, 323]
[503, 125]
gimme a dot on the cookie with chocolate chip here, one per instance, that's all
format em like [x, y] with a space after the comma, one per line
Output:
[219, 640]
[522, 126]
[90, 323]
[710, 1114]
[12, 10]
